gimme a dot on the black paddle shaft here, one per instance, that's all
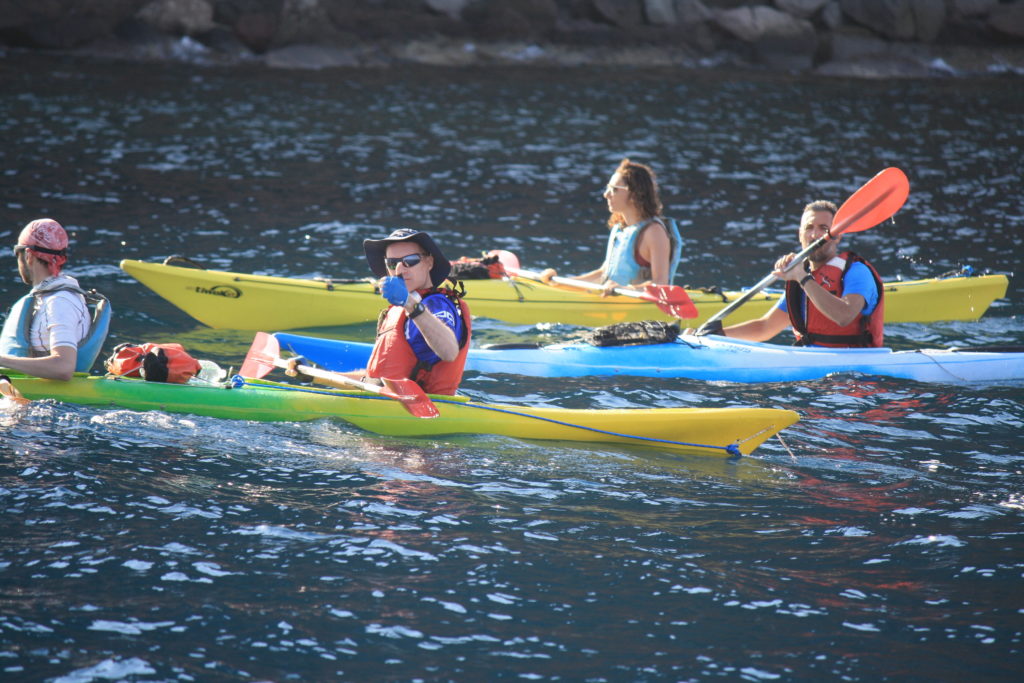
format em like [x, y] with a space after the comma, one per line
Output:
[767, 280]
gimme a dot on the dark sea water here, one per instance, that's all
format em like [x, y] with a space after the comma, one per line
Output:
[882, 539]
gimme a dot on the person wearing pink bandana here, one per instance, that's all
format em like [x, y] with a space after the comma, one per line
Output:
[50, 332]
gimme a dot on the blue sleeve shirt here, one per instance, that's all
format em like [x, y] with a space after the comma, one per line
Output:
[445, 310]
[858, 280]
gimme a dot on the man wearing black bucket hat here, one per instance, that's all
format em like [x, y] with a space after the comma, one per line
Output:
[424, 334]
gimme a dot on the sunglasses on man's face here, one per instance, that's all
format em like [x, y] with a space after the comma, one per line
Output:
[409, 261]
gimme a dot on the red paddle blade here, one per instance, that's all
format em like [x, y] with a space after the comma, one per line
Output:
[410, 395]
[506, 258]
[11, 393]
[876, 201]
[259, 361]
[671, 299]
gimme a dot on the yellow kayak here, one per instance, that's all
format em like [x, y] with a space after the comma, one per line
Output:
[229, 300]
[720, 432]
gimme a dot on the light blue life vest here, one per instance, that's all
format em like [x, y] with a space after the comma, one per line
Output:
[14, 337]
[620, 258]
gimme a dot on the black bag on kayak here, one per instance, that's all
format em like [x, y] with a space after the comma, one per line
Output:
[486, 268]
[625, 334]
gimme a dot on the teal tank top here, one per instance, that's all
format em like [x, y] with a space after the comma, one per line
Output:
[620, 261]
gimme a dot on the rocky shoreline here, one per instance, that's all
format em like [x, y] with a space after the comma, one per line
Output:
[840, 38]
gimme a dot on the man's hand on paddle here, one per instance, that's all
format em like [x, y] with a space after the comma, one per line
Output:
[781, 273]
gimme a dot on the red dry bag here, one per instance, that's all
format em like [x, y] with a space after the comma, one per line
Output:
[153, 362]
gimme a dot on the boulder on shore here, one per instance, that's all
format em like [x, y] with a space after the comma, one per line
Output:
[863, 38]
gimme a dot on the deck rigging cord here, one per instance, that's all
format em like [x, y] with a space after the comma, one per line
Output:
[732, 449]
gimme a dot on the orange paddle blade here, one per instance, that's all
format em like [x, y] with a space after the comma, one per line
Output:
[410, 395]
[259, 361]
[507, 259]
[876, 201]
[671, 299]
[10, 392]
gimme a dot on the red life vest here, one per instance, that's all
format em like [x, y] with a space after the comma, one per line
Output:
[393, 356]
[819, 329]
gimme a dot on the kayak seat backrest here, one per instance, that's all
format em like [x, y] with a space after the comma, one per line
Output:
[182, 262]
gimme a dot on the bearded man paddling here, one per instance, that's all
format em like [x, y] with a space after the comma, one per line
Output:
[836, 300]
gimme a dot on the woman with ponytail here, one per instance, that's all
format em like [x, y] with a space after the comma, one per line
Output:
[644, 247]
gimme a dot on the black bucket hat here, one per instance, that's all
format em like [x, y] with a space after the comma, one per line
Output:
[375, 250]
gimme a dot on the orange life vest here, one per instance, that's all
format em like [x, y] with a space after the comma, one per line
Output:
[393, 356]
[818, 328]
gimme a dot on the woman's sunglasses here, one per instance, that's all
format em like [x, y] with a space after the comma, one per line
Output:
[409, 261]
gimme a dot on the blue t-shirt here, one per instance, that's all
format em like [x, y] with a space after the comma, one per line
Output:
[445, 310]
[858, 280]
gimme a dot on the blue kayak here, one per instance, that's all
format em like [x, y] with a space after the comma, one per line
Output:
[705, 358]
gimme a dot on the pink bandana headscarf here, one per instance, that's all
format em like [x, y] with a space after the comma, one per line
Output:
[48, 234]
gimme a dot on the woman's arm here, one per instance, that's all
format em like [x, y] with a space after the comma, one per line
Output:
[656, 248]
[592, 276]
